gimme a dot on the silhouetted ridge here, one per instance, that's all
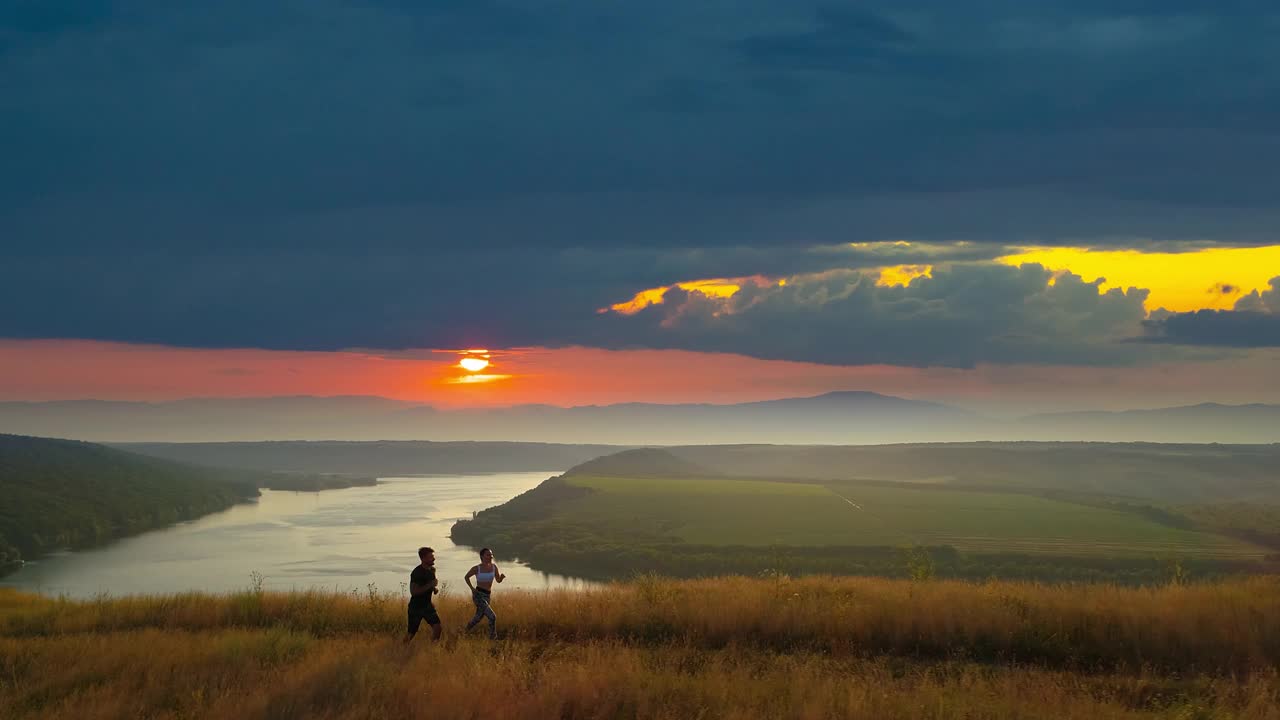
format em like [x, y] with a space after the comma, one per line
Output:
[641, 462]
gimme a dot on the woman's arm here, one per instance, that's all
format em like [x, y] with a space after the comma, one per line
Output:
[497, 574]
[470, 574]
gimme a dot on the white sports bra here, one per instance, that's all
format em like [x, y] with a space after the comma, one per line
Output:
[484, 577]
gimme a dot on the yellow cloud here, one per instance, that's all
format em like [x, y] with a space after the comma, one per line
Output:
[728, 287]
[1212, 278]
[902, 274]
[640, 301]
[715, 287]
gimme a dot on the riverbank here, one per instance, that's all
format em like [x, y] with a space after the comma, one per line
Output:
[335, 539]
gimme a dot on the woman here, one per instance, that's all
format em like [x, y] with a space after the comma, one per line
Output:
[484, 573]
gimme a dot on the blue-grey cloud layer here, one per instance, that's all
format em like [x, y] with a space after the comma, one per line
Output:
[958, 317]
[392, 173]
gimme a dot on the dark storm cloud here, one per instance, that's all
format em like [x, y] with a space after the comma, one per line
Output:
[1266, 301]
[1253, 323]
[333, 299]
[336, 173]
[1227, 328]
[36, 17]
[844, 39]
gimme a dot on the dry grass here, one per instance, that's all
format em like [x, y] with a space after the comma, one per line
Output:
[723, 648]
[1214, 627]
[282, 673]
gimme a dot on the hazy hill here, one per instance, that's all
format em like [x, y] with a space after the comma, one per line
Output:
[1167, 473]
[846, 417]
[378, 458]
[641, 462]
[63, 493]
[208, 418]
[838, 418]
[1209, 422]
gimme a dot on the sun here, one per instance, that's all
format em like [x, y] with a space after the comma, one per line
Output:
[472, 365]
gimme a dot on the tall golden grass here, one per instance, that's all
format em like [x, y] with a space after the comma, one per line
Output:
[263, 673]
[1212, 627]
[719, 648]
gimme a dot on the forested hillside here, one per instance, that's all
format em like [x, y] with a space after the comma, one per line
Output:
[62, 493]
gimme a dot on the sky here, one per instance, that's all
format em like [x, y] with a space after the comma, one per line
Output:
[1067, 203]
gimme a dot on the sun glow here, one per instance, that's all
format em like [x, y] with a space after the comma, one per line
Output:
[471, 368]
[476, 379]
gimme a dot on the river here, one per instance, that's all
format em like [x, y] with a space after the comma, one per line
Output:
[335, 540]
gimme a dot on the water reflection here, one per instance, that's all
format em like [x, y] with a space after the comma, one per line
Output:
[337, 539]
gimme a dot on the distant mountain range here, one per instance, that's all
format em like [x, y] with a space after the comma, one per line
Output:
[833, 418]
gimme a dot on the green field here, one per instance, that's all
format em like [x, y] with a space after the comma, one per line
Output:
[763, 513]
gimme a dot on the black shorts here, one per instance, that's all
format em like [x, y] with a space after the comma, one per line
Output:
[418, 614]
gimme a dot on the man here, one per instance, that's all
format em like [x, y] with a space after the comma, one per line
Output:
[422, 585]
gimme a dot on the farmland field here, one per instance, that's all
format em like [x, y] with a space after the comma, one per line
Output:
[722, 511]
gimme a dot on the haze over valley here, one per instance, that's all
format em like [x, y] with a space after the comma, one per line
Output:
[852, 417]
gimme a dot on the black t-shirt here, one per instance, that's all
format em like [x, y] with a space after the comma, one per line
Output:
[421, 576]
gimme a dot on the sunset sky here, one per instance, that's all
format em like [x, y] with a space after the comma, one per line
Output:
[1065, 204]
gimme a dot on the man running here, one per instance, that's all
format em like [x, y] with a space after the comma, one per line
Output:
[422, 585]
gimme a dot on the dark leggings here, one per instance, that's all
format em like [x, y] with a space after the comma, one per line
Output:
[481, 599]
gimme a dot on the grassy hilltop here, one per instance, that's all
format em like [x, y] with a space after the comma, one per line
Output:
[718, 648]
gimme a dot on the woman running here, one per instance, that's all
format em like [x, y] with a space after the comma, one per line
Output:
[485, 573]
